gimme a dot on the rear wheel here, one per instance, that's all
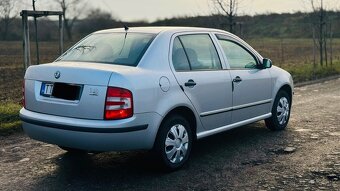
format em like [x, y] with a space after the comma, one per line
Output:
[174, 142]
[280, 112]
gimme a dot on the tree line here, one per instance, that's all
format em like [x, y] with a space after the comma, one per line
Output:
[286, 25]
[320, 24]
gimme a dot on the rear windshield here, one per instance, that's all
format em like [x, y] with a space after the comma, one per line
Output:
[112, 48]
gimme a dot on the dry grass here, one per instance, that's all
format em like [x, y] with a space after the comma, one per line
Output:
[12, 67]
[291, 52]
[295, 55]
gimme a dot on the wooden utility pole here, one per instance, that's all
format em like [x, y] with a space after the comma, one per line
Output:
[36, 32]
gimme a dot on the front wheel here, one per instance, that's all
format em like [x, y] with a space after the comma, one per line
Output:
[280, 112]
[174, 142]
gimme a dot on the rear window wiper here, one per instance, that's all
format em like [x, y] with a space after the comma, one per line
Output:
[85, 48]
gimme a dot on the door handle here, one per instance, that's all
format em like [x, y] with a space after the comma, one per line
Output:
[237, 79]
[190, 83]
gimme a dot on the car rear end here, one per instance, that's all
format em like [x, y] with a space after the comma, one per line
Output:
[79, 101]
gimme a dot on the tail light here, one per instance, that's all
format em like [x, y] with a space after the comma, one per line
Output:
[23, 103]
[118, 104]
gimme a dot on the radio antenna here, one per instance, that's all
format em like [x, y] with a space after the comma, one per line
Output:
[126, 28]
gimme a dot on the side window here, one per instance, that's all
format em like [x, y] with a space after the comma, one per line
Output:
[238, 57]
[179, 58]
[201, 52]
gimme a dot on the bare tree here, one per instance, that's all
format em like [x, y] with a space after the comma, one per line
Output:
[72, 10]
[331, 43]
[319, 23]
[229, 9]
[6, 15]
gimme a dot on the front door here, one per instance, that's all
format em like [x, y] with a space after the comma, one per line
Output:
[198, 71]
[251, 86]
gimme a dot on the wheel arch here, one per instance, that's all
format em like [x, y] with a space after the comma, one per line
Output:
[187, 113]
[287, 88]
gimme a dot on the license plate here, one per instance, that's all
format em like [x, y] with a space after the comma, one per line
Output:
[46, 89]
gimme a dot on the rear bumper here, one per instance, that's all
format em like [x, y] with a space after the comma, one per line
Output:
[137, 132]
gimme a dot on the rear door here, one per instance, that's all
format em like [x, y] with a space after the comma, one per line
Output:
[200, 74]
[251, 85]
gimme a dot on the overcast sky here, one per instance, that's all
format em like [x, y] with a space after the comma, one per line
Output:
[151, 10]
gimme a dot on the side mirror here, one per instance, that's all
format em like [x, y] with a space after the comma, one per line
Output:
[267, 63]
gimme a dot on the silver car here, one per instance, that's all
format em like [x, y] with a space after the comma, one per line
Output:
[153, 88]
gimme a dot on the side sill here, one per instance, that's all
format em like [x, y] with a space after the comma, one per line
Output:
[232, 126]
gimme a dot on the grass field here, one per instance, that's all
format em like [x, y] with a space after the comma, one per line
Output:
[294, 55]
[12, 68]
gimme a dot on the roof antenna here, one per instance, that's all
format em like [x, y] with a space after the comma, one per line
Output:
[126, 28]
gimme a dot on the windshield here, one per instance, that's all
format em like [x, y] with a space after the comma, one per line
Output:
[113, 48]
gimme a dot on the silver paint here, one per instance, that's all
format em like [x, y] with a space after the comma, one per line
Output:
[215, 106]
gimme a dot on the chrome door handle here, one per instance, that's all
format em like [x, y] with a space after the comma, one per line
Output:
[237, 79]
[190, 83]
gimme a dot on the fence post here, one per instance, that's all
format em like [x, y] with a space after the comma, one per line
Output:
[27, 54]
[26, 35]
[61, 35]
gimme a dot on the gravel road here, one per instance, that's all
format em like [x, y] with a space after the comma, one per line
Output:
[304, 157]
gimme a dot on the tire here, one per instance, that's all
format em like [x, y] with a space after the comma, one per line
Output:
[280, 112]
[173, 154]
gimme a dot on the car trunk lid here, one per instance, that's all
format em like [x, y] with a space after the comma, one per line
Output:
[69, 89]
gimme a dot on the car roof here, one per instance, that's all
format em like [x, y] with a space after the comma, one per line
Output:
[156, 30]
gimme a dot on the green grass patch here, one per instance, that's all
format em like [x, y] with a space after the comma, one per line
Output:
[306, 72]
[9, 118]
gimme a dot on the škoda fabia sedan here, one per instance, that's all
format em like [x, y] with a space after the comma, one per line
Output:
[153, 88]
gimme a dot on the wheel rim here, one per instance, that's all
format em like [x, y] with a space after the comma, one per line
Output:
[282, 111]
[176, 143]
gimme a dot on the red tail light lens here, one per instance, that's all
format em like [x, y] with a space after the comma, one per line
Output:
[23, 95]
[118, 104]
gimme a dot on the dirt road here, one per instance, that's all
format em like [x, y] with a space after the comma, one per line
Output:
[304, 157]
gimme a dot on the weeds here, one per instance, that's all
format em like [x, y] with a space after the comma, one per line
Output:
[305, 72]
[9, 118]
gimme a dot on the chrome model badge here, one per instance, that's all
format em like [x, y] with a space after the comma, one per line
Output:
[93, 92]
[57, 75]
